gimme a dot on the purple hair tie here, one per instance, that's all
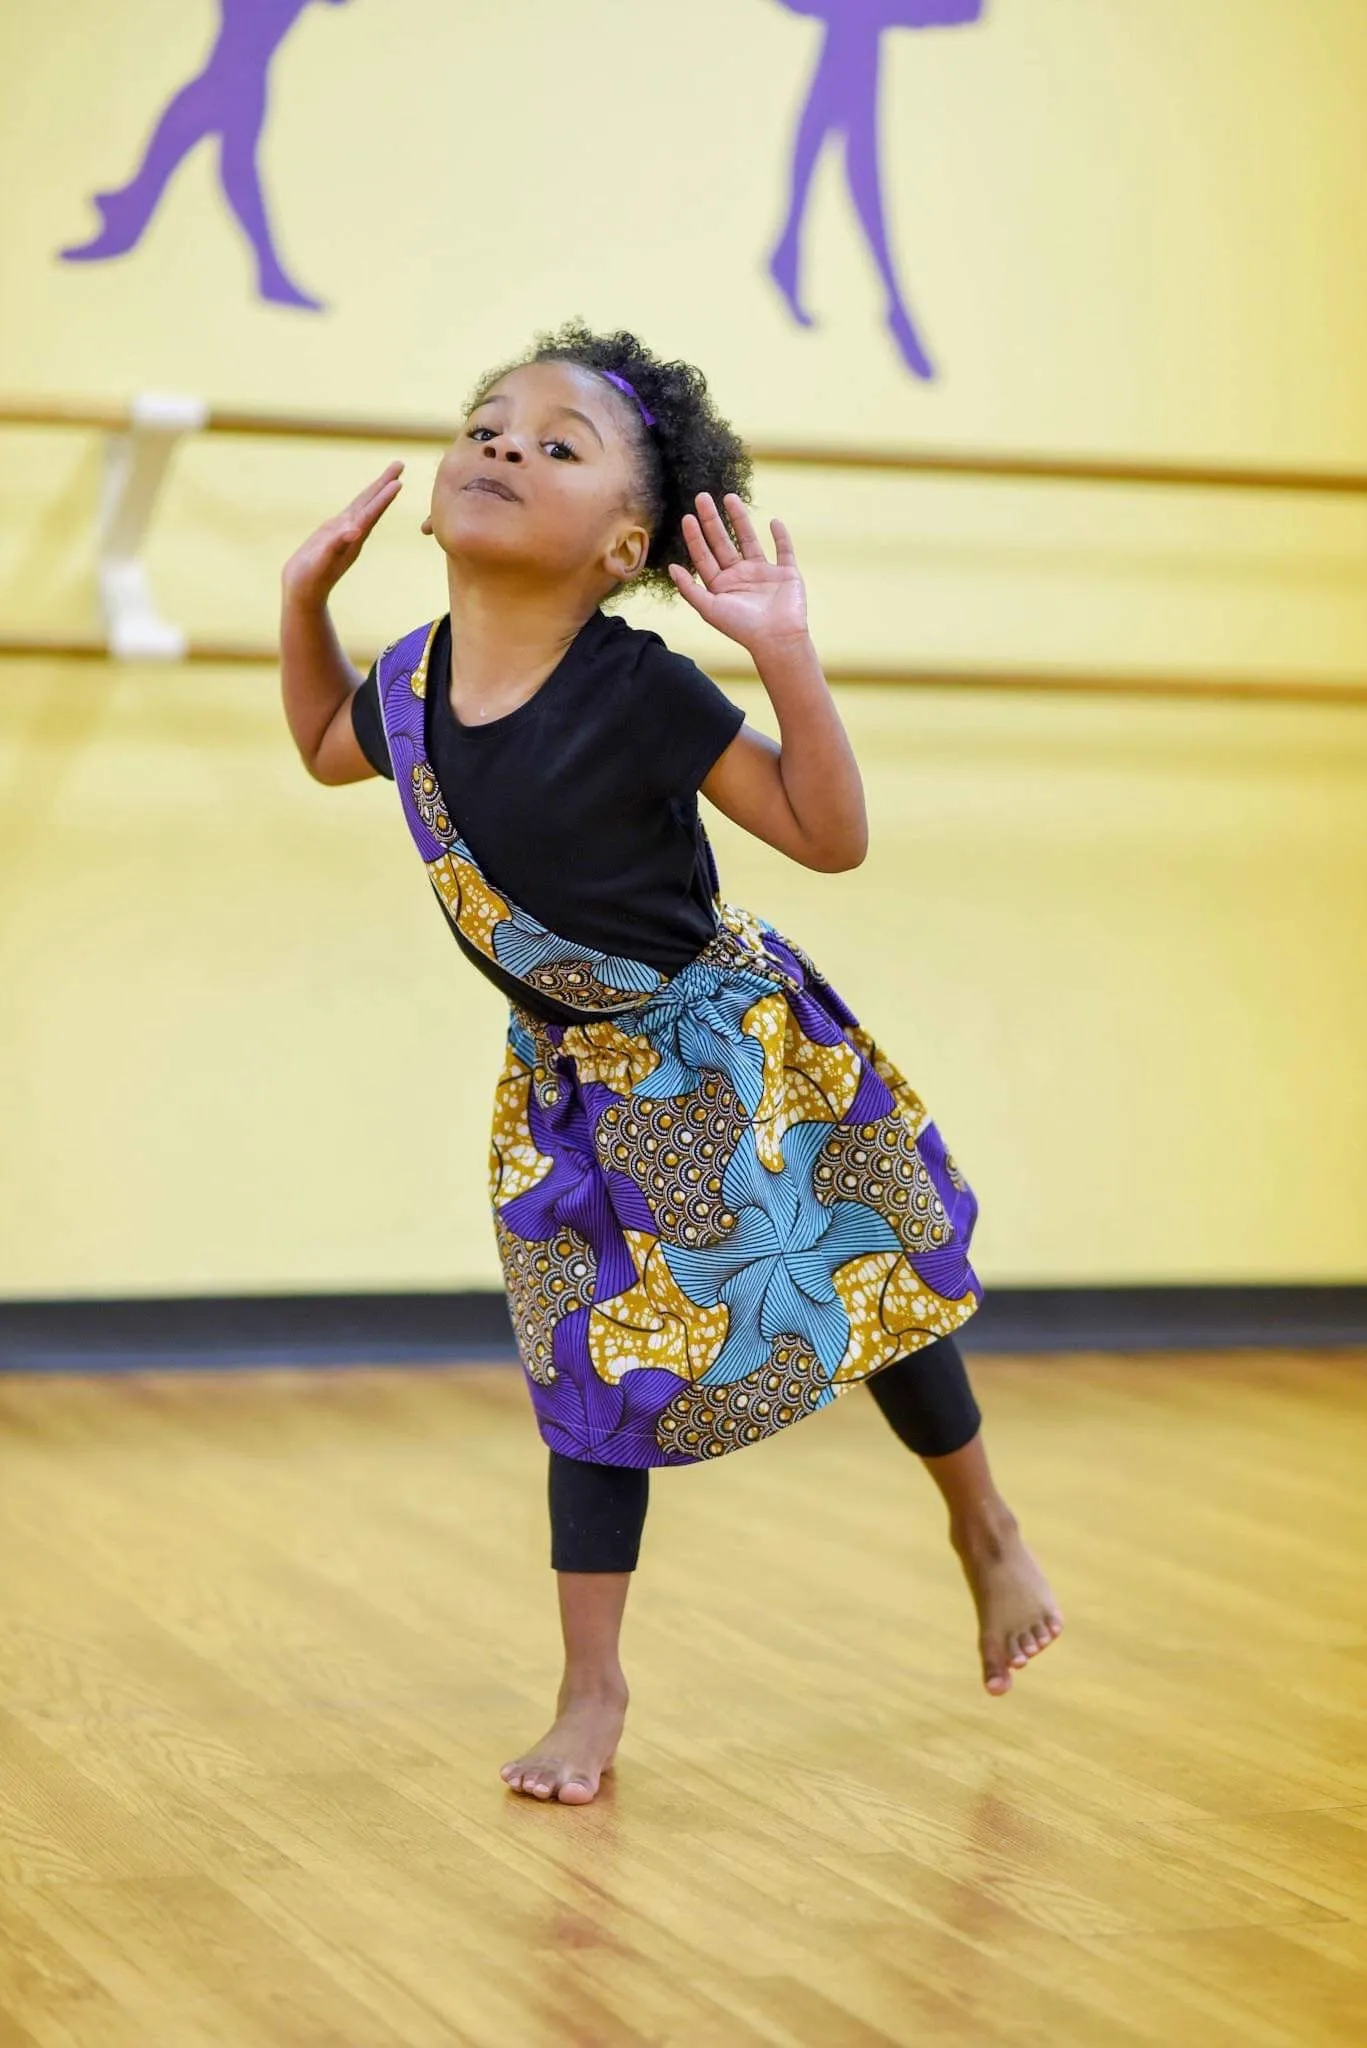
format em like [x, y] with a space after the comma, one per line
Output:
[622, 385]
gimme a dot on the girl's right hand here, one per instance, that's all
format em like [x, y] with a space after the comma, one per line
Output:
[312, 570]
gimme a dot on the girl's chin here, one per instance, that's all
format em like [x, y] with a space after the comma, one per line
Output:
[477, 546]
[473, 542]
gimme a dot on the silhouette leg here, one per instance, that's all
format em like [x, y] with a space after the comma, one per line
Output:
[191, 115]
[242, 187]
[813, 128]
[865, 180]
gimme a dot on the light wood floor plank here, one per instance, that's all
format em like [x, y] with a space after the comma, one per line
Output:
[265, 1638]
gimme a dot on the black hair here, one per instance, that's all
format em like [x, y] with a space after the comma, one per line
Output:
[689, 448]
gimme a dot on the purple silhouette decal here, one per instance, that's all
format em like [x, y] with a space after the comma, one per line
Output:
[843, 100]
[226, 99]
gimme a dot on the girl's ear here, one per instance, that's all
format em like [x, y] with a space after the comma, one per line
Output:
[427, 524]
[627, 555]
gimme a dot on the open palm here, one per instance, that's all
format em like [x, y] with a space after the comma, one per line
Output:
[738, 589]
[324, 558]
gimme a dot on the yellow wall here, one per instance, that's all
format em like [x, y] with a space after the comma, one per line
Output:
[1119, 947]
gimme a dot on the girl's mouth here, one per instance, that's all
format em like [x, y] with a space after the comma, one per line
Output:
[495, 486]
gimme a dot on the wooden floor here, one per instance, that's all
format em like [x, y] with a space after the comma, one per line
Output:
[265, 1639]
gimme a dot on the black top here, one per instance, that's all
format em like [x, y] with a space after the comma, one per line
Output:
[581, 805]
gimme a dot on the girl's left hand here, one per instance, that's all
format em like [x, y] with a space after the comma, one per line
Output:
[741, 592]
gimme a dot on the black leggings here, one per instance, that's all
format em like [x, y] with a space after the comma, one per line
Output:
[599, 1511]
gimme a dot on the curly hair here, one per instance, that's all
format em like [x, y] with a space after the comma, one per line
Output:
[688, 449]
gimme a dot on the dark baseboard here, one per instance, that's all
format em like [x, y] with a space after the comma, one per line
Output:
[1167, 1318]
[253, 1329]
[437, 1329]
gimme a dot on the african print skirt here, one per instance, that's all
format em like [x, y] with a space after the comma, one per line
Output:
[718, 1212]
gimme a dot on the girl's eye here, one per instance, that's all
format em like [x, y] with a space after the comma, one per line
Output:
[561, 450]
[481, 433]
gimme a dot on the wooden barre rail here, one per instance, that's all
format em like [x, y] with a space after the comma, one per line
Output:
[906, 462]
[1057, 682]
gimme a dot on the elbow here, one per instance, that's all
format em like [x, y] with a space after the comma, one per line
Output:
[845, 845]
[317, 768]
[841, 855]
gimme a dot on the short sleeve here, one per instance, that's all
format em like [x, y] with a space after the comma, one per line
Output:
[368, 726]
[683, 722]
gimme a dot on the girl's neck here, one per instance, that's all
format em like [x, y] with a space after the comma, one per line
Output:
[506, 638]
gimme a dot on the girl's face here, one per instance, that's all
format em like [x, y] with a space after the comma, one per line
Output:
[542, 479]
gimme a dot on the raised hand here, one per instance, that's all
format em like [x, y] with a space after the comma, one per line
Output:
[325, 557]
[742, 593]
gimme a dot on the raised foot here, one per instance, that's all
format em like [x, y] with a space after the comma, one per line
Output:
[568, 1763]
[1018, 1616]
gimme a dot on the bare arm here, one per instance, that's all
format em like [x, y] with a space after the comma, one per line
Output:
[802, 795]
[317, 681]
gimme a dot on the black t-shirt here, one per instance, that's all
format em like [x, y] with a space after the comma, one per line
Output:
[581, 805]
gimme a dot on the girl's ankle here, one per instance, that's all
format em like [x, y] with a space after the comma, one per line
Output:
[601, 1687]
[984, 1528]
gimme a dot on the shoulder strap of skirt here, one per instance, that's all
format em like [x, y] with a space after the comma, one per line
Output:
[579, 976]
[401, 674]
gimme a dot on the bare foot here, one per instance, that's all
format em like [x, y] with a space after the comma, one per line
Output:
[568, 1763]
[1018, 1616]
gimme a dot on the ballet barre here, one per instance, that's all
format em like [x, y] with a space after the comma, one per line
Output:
[142, 437]
[1004, 468]
[1018, 681]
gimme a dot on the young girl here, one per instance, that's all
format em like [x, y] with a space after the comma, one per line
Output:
[718, 1204]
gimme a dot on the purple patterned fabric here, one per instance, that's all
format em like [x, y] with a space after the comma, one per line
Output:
[717, 1210]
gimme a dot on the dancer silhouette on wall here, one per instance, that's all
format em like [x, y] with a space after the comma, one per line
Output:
[843, 100]
[226, 99]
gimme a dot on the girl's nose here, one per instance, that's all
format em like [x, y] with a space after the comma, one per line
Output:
[509, 450]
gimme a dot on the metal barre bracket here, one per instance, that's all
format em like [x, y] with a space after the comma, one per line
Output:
[135, 463]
